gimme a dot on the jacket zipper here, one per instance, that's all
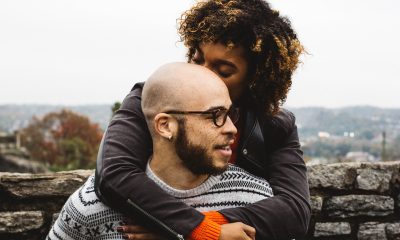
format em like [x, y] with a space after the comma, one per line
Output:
[155, 220]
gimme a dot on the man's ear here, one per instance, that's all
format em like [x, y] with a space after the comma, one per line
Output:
[165, 126]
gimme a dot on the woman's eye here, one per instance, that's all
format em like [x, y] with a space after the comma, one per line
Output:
[224, 71]
[224, 74]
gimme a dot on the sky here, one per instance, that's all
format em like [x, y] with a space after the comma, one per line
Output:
[79, 52]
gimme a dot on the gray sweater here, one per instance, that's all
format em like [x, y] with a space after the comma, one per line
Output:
[84, 216]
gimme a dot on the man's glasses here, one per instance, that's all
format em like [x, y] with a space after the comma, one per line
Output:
[219, 115]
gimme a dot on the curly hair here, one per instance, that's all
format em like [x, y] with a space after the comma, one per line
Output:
[272, 46]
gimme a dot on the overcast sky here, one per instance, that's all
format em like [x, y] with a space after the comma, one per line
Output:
[92, 52]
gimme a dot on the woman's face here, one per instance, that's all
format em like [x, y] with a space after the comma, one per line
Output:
[229, 64]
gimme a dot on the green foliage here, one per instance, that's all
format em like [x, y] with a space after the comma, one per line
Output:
[63, 140]
[115, 107]
[74, 150]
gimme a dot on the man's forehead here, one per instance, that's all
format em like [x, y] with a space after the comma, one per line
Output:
[209, 103]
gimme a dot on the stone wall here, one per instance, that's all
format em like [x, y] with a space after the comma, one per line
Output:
[29, 201]
[355, 201]
[349, 201]
[17, 162]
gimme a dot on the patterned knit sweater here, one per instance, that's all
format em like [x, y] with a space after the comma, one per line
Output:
[84, 216]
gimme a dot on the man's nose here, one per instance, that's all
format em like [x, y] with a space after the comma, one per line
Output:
[229, 127]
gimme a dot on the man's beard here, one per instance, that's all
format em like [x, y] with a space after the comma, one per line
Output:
[194, 158]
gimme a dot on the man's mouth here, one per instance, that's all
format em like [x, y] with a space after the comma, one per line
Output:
[225, 150]
[224, 147]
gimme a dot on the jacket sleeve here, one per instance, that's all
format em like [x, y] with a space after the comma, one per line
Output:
[287, 214]
[120, 176]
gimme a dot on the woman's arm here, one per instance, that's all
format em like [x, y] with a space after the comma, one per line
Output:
[123, 185]
[287, 214]
[120, 178]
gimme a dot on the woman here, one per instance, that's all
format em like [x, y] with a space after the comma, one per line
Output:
[255, 52]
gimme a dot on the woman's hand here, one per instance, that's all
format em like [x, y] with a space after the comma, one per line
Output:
[237, 231]
[137, 232]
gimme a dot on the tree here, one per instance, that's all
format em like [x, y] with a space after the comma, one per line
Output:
[115, 107]
[63, 140]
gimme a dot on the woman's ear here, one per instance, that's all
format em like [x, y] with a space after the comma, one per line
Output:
[164, 126]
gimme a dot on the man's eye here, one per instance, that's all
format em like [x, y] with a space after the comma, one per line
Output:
[218, 113]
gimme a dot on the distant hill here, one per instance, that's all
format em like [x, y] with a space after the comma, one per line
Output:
[363, 120]
[13, 117]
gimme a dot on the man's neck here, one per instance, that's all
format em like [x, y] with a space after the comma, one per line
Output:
[171, 170]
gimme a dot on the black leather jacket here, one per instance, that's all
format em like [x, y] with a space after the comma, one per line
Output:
[269, 147]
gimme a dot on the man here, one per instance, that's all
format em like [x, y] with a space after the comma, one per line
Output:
[190, 119]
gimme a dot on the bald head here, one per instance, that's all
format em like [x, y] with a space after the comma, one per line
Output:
[180, 86]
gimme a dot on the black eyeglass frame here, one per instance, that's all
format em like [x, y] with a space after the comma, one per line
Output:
[232, 112]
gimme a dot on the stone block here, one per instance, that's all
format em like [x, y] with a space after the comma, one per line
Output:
[54, 218]
[24, 185]
[338, 176]
[359, 205]
[316, 204]
[398, 202]
[393, 231]
[371, 231]
[373, 179]
[396, 179]
[331, 229]
[48, 204]
[18, 222]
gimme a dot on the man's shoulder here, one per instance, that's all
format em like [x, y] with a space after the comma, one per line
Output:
[234, 171]
[85, 215]
[84, 198]
[84, 203]
[235, 176]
